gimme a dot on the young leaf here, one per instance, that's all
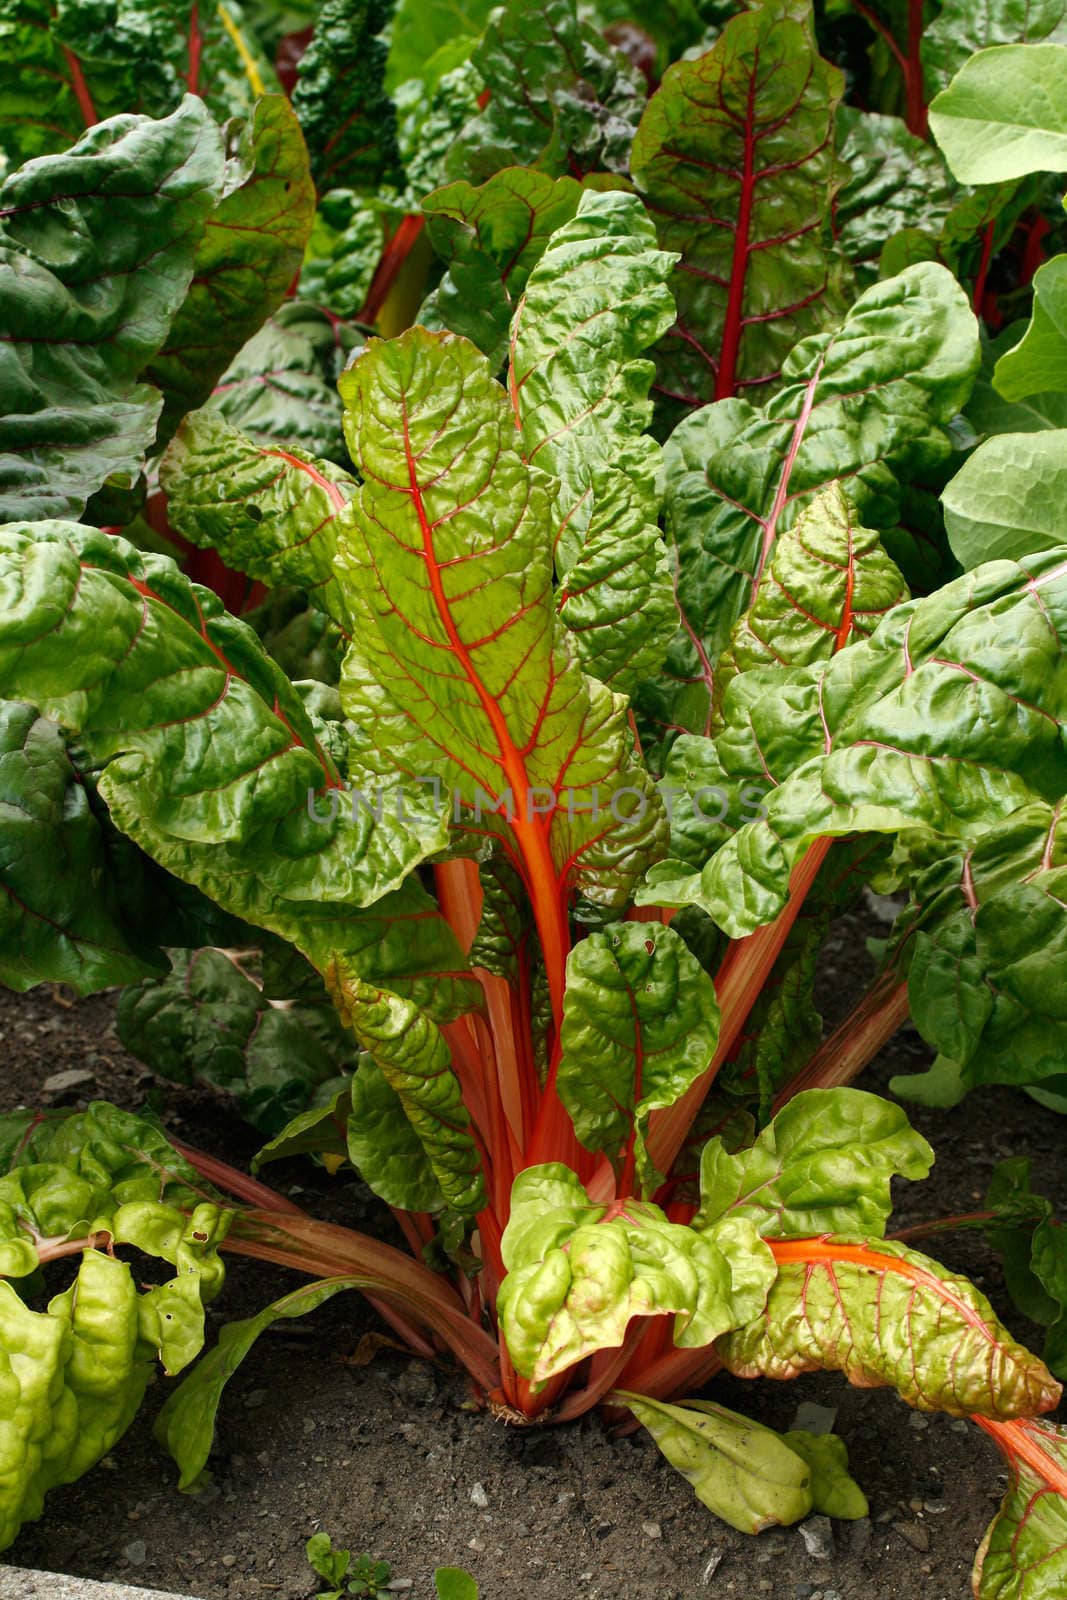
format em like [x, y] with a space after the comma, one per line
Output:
[735, 155]
[561, 99]
[577, 1273]
[594, 302]
[1038, 362]
[882, 1314]
[743, 1472]
[491, 238]
[862, 406]
[1005, 114]
[252, 245]
[1003, 503]
[1024, 1553]
[640, 1022]
[452, 1583]
[97, 251]
[346, 116]
[460, 669]
[834, 1491]
[823, 1165]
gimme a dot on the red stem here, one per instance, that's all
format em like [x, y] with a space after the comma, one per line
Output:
[195, 44]
[983, 268]
[915, 115]
[856, 1041]
[1021, 1441]
[239, 1184]
[924, 1230]
[81, 89]
[735, 304]
[393, 257]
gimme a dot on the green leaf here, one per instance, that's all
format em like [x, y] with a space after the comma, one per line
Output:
[186, 1425]
[423, 27]
[879, 758]
[743, 1472]
[862, 407]
[268, 509]
[640, 1023]
[412, 1057]
[577, 1273]
[823, 1165]
[988, 412]
[895, 181]
[1039, 362]
[347, 118]
[452, 1583]
[251, 248]
[459, 668]
[96, 256]
[431, 111]
[961, 28]
[882, 1314]
[1005, 114]
[387, 1148]
[1004, 501]
[561, 99]
[593, 304]
[490, 238]
[342, 253]
[318, 1131]
[833, 1491]
[735, 156]
[1024, 1553]
[329, 1563]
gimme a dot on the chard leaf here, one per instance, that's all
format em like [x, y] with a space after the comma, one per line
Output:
[823, 1165]
[885, 1315]
[1038, 363]
[735, 154]
[640, 1023]
[342, 253]
[988, 412]
[961, 29]
[1024, 1553]
[459, 668]
[561, 99]
[431, 111]
[97, 252]
[861, 407]
[577, 1273]
[385, 1147]
[412, 1056]
[988, 646]
[895, 181]
[252, 245]
[268, 509]
[318, 1131]
[593, 303]
[1004, 501]
[208, 755]
[505, 923]
[834, 1491]
[346, 116]
[421, 28]
[61, 912]
[743, 1472]
[490, 238]
[1004, 114]
[186, 1425]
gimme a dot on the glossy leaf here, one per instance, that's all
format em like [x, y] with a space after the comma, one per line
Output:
[895, 180]
[347, 118]
[490, 238]
[640, 1023]
[269, 509]
[1038, 363]
[1024, 1553]
[823, 1165]
[96, 255]
[862, 407]
[578, 1273]
[885, 1315]
[561, 99]
[1004, 502]
[735, 155]
[253, 244]
[385, 1147]
[342, 253]
[593, 304]
[743, 1472]
[1005, 114]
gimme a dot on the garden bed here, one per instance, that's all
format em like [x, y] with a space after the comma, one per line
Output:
[390, 1457]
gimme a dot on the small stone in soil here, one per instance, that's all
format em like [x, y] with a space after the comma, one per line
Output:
[136, 1552]
[918, 1421]
[652, 1530]
[818, 1536]
[255, 1399]
[479, 1497]
[67, 1082]
[815, 1418]
[229, 1560]
[913, 1533]
[712, 1565]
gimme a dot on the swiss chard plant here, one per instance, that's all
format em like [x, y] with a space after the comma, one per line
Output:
[622, 543]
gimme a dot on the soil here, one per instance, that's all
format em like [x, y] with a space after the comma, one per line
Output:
[390, 1457]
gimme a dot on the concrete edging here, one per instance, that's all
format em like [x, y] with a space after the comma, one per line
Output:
[19, 1583]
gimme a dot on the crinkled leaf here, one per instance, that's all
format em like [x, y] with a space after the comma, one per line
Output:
[490, 239]
[577, 1273]
[429, 116]
[834, 1491]
[386, 1147]
[861, 407]
[743, 1472]
[460, 668]
[896, 180]
[640, 1023]
[823, 1165]
[1038, 363]
[97, 251]
[505, 923]
[561, 99]
[882, 1314]
[342, 253]
[347, 118]
[1024, 1553]
[253, 244]
[593, 304]
[735, 154]
[1005, 500]
[268, 509]
[1005, 114]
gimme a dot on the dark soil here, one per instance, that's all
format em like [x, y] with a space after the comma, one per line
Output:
[391, 1457]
